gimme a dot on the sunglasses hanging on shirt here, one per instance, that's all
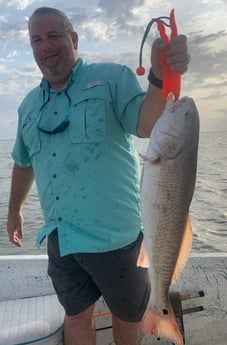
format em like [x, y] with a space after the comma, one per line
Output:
[63, 125]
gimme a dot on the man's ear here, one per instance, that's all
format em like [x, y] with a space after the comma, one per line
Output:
[75, 39]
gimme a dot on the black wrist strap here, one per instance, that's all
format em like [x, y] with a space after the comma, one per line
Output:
[154, 80]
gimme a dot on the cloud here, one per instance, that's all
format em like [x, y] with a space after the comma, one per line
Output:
[122, 13]
[18, 4]
[118, 8]
[13, 31]
[199, 38]
[208, 66]
[19, 82]
[3, 19]
[78, 15]
[12, 55]
[96, 30]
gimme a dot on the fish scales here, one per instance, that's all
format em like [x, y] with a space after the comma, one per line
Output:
[167, 186]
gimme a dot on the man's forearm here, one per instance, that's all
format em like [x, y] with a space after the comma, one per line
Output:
[22, 181]
[151, 110]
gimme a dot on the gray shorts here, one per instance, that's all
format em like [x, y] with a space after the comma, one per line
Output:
[80, 279]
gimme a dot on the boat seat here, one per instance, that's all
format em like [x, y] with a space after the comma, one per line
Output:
[33, 320]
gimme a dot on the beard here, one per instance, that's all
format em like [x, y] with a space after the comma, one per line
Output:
[57, 72]
[52, 70]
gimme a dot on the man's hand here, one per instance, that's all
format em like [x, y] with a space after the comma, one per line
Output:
[15, 228]
[176, 54]
[22, 180]
[178, 59]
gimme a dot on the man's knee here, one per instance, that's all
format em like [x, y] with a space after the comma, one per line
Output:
[85, 317]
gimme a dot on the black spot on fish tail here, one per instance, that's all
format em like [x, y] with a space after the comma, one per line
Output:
[158, 338]
[165, 312]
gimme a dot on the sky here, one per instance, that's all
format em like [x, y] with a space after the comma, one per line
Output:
[112, 31]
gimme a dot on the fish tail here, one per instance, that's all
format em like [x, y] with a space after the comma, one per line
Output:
[162, 326]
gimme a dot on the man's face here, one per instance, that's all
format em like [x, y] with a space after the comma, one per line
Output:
[54, 49]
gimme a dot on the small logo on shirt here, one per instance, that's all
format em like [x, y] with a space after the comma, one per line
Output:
[94, 83]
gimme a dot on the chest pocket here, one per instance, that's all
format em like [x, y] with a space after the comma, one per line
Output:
[88, 119]
[31, 135]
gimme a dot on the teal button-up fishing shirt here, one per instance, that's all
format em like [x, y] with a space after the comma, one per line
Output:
[87, 176]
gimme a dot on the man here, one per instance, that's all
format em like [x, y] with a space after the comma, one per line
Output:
[75, 138]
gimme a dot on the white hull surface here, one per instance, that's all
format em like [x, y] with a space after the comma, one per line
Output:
[30, 312]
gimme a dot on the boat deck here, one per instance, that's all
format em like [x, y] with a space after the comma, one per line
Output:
[207, 273]
[25, 276]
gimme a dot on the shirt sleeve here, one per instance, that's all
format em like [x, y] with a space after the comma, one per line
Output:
[20, 152]
[129, 99]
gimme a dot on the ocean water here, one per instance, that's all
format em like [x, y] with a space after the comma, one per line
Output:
[208, 209]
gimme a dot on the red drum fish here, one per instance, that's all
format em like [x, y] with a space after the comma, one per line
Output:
[167, 187]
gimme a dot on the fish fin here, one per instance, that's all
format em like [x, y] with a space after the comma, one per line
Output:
[143, 260]
[162, 326]
[154, 158]
[185, 249]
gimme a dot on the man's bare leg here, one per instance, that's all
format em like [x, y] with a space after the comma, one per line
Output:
[126, 333]
[79, 329]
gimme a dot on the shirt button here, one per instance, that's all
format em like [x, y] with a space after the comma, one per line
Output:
[57, 197]
[54, 154]
[55, 112]
[59, 219]
[54, 176]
